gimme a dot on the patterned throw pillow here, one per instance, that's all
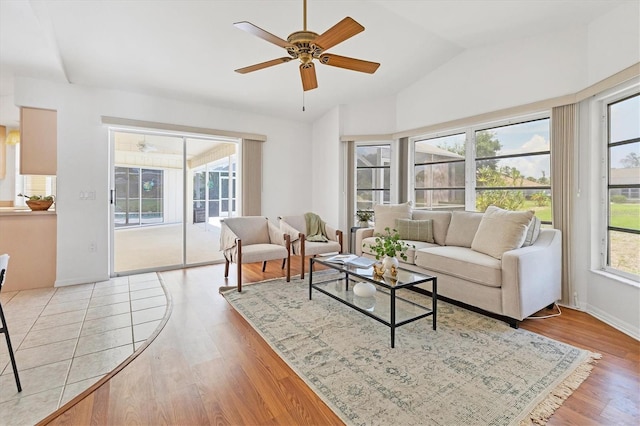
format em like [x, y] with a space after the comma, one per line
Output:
[415, 230]
[532, 232]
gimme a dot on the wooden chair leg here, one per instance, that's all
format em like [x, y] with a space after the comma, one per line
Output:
[226, 268]
[264, 265]
[283, 262]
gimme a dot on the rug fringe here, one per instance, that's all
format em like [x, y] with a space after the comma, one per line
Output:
[545, 409]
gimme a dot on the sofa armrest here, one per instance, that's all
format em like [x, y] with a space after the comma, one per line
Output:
[531, 276]
[361, 234]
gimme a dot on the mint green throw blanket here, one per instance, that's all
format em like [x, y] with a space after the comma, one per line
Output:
[316, 231]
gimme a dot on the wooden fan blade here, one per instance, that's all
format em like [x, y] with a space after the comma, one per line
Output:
[341, 31]
[308, 75]
[262, 65]
[259, 32]
[349, 63]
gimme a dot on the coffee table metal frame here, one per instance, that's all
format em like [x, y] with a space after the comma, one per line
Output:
[352, 271]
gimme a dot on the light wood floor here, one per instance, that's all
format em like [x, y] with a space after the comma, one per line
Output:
[208, 366]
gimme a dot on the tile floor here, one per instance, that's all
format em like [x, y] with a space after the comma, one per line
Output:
[65, 339]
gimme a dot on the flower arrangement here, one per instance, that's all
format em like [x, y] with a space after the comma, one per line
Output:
[389, 244]
[364, 215]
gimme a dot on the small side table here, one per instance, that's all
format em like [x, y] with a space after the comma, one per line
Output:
[352, 239]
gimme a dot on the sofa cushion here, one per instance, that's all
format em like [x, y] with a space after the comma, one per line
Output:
[385, 215]
[463, 263]
[533, 230]
[501, 230]
[415, 230]
[440, 220]
[463, 228]
[411, 251]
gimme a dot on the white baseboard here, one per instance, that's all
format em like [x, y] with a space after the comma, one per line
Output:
[614, 322]
[83, 280]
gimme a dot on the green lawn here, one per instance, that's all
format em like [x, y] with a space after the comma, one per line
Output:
[544, 213]
[625, 215]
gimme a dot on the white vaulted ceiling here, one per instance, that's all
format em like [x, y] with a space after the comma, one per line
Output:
[188, 49]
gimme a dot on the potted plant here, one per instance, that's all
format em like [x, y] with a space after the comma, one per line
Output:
[38, 202]
[364, 216]
[388, 247]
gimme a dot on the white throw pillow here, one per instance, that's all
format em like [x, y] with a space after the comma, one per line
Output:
[385, 215]
[501, 230]
[463, 228]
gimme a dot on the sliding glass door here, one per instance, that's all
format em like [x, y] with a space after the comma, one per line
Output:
[168, 195]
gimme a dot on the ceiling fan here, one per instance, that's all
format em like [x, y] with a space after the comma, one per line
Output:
[144, 146]
[307, 46]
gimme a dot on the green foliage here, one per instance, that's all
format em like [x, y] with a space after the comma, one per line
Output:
[364, 215]
[37, 197]
[541, 199]
[625, 215]
[486, 146]
[619, 198]
[631, 160]
[389, 244]
[508, 200]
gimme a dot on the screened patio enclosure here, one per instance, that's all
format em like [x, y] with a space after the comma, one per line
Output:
[169, 193]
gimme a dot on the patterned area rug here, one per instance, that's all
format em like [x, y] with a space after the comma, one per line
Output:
[473, 370]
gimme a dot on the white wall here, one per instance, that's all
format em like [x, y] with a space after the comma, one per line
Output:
[516, 72]
[83, 161]
[613, 42]
[369, 118]
[325, 178]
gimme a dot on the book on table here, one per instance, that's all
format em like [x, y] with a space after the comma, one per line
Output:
[351, 259]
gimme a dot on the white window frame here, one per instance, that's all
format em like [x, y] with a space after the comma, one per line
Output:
[393, 170]
[603, 103]
[471, 199]
[411, 187]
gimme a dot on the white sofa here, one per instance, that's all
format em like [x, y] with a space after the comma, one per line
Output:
[498, 261]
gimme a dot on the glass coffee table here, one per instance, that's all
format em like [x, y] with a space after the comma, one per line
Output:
[385, 305]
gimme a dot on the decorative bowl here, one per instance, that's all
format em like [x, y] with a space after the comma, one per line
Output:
[39, 205]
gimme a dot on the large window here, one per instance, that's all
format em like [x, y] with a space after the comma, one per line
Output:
[214, 187]
[512, 168]
[506, 165]
[439, 172]
[623, 185]
[373, 176]
[139, 196]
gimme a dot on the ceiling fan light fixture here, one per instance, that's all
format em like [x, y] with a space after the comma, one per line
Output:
[307, 45]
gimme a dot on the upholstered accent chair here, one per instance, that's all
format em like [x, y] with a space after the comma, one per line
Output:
[296, 227]
[250, 239]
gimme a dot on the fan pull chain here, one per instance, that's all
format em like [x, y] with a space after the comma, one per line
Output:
[303, 101]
